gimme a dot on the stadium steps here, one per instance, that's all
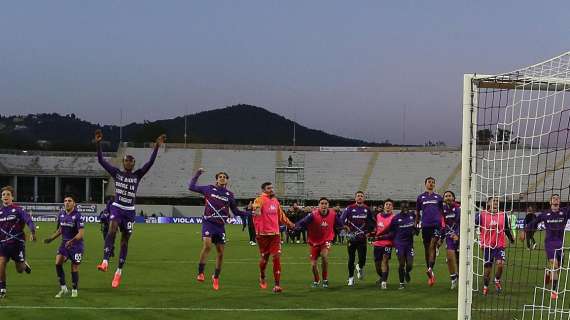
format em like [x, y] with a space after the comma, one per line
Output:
[197, 160]
[560, 164]
[454, 174]
[369, 170]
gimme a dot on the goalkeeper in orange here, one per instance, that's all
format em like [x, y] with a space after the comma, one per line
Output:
[268, 214]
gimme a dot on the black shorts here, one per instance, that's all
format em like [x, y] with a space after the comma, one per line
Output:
[16, 252]
[428, 233]
[218, 238]
[380, 252]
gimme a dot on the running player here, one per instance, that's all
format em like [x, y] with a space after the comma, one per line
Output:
[268, 216]
[320, 226]
[123, 207]
[358, 220]
[216, 212]
[71, 228]
[383, 242]
[12, 236]
[493, 226]
[404, 228]
[429, 206]
[451, 215]
[554, 221]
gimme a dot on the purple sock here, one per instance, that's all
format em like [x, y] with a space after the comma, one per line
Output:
[109, 244]
[123, 254]
[60, 274]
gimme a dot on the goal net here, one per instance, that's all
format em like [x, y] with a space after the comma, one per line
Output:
[515, 157]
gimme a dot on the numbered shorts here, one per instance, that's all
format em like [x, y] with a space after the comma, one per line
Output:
[16, 252]
[217, 238]
[428, 233]
[315, 250]
[452, 244]
[74, 254]
[404, 250]
[124, 218]
[269, 244]
[380, 252]
[491, 255]
[553, 251]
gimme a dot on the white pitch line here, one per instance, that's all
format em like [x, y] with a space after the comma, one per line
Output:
[228, 309]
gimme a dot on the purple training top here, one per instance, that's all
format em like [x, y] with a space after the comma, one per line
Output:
[359, 220]
[12, 221]
[403, 227]
[431, 207]
[70, 223]
[451, 216]
[554, 224]
[126, 183]
[219, 201]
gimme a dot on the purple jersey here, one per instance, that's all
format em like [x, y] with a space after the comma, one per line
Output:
[403, 227]
[70, 224]
[554, 224]
[359, 220]
[451, 216]
[431, 207]
[12, 221]
[219, 201]
[126, 183]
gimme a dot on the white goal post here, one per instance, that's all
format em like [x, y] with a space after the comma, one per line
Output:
[512, 150]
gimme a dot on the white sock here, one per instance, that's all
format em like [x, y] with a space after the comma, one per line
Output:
[119, 271]
[105, 261]
[63, 287]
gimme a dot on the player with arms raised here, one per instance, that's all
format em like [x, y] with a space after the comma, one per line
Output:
[71, 229]
[122, 213]
[320, 226]
[268, 216]
[12, 237]
[216, 211]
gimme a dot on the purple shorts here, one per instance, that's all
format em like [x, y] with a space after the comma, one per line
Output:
[491, 255]
[404, 249]
[75, 253]
[554, 250]
[16, 252]
[215, 231]
[380, 252]
[124, 218]
[452, 244]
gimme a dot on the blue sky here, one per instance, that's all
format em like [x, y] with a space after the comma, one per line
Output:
[347, 67]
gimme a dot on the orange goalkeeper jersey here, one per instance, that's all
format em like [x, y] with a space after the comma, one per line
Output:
[267, 223]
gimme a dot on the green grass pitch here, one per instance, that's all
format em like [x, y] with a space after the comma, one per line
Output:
[159, 281]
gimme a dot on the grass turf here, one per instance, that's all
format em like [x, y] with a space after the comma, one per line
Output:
[159, 281]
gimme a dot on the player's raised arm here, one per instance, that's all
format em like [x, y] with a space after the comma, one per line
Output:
[159, 141]
[192, 185]
[106, 165]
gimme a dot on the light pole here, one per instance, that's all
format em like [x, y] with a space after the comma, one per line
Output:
[103, 191]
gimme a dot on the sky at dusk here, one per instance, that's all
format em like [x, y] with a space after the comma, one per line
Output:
[346, 67]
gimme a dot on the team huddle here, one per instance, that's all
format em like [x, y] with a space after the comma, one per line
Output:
[436, 217]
